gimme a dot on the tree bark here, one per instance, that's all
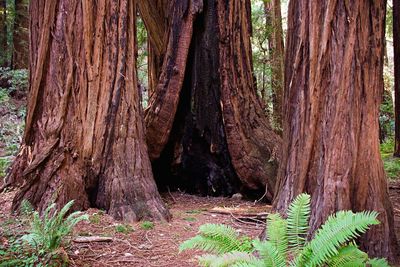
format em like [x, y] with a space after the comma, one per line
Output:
[84, 136]
[21, 35]
[205, 115]
[396, 45]
[155, 14]
[276, 54]
[333, 90]
[3, 34]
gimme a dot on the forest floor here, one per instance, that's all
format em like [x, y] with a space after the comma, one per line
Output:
[144, 243]
[154, 244]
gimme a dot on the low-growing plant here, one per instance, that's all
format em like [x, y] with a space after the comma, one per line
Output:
[124, 228]
[146, 225]
[190, 219]
[42, 245]
[286, 243]
[95, 218]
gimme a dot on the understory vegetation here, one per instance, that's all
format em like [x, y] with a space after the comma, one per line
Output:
[13, 88]
[287, 243]
[42, 245]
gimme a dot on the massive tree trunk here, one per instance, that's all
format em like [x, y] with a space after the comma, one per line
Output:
[84, 136]
[396, 45]
[276, 54]
[3, 34]
[333, 90]
[21, 35]
[204, 117]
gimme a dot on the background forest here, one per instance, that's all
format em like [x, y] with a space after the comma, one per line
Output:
[231, 130]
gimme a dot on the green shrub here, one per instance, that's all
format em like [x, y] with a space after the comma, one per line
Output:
[42, 245]
[15, 79]
[124, 228]
[286, 243]
[146, 225]
[390, 163]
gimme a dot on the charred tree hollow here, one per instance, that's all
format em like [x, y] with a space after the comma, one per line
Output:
[196, 158]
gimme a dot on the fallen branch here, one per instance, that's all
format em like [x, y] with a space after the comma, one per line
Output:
[91, 239]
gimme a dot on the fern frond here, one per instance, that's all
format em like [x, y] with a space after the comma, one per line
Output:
[233, 258]
[47, 232]
[348, 256]
[277, 233]
[26, 208]
[269, 254]
[298, 215]
[339, 229]
[378, 262]
[215, 238]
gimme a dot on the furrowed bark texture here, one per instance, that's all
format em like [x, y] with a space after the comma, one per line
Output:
[84, 136]
[333, 90]
[396, 45]
[206, 109]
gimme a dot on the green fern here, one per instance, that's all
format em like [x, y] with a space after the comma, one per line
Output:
[286, 243]
[233, 258]
[270, 254]
[338, 230]
[277, 234]
[378, 263]
[348, 254]
[48, 232]
[297, 222]
[217, 239]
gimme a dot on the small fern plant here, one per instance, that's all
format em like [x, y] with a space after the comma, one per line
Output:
[286, 243]
[48, 232]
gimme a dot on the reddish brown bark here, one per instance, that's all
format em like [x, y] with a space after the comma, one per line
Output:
[21, 35]
[205, 112]
[155, 14]
[84, 136]
[333, 90]
[396, 45]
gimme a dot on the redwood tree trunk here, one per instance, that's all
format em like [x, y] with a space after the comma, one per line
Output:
[21, 35]
[84, 136]
[204, 116]
[333, 90]
[396, 45]
[3, 34]
[276, 54]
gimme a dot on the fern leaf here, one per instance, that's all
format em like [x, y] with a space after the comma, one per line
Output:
[378, 262]
[277, 233]
[215, 238]
[349, 255]
[233, 258]
[298, 215]
[338, 230]
[269, 254]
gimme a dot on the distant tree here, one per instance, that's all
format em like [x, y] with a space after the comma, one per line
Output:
[333, 87]
[20, 58]
[84, 136]
[276, 54]
[3, 34]
[396, 44]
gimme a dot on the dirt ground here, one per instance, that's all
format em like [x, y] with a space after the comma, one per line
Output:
[153, 247]
[158, 246]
